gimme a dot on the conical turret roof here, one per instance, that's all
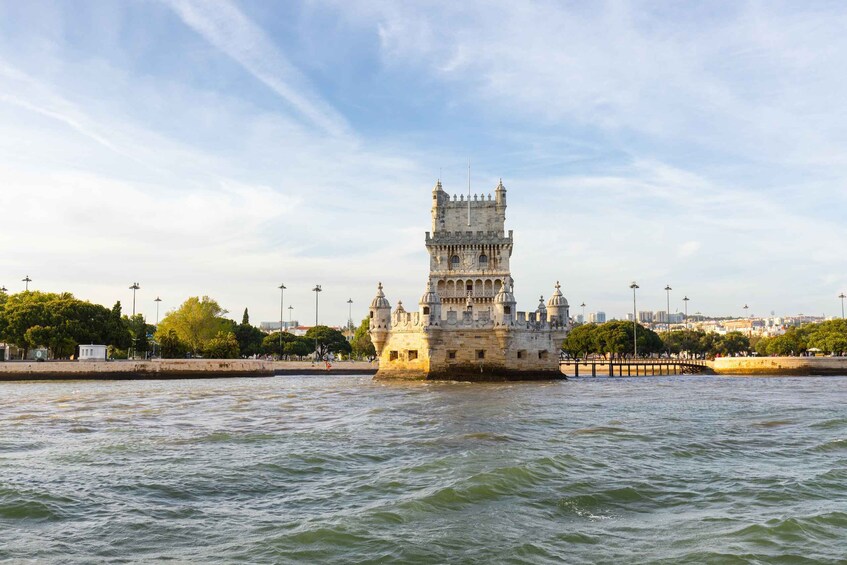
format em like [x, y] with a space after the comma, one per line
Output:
[557, 300]
[379, 300]
[430, 296]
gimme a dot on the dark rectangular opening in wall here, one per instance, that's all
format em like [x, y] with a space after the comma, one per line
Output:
[480, 354]
[393, 355]
[451, 354]
[521, 354]
[542, 354]
[413, 354]
[426, 310]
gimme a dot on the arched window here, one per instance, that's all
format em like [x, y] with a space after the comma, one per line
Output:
[483, 260]
[454, 261]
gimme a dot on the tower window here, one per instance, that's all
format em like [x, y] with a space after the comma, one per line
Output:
[542, 354]
[480, 354]
[483, 260]
[413, 354]
[507, 309]
[393, 355]
[454, 261]
[426, 310]
[451, 354]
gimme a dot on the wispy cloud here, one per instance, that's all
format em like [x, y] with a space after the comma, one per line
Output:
[223, 25]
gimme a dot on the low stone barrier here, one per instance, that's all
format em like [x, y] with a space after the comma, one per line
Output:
[795, 366]
[173, 369]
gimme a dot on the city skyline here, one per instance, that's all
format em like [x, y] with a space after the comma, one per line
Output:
[220, 149]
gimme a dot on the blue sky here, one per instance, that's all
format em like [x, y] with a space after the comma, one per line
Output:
[221, 148]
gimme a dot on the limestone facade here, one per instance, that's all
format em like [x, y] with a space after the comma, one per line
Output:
[466, 326]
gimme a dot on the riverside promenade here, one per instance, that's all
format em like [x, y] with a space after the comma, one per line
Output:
[173, 369]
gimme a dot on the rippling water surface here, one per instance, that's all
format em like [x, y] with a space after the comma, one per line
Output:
[347, 470]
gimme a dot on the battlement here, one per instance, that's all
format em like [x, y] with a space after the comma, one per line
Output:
[469, 237]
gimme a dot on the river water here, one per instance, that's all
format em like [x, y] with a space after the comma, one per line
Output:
[348, 470]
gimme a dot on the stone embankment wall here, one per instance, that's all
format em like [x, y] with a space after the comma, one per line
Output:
[798, 366]
[173, 369]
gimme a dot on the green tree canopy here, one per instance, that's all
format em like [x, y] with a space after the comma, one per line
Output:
[250, 338]
[196, 322]
[362, 346]
[222, 346]
[328, 340]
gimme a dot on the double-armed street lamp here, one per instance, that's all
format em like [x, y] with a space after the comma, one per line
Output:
[583, 312]
[841, 296]
[634, 286]
[317, 290]
[668, 290]
[290, 314]
[26, 280]
[282, 288]
[745, 310]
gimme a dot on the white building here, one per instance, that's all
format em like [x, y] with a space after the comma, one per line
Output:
[92, 352]
[597, 317]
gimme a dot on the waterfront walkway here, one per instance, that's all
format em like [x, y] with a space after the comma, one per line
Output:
[633, 367]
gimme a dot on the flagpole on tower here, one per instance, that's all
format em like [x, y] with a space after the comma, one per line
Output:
[469, 193]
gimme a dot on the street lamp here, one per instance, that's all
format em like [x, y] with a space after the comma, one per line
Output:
[4, 289]
[135, 286]
[745, 310]
[281, 310]
[157, 301]
[668, 290]
[841, 296]
[290, 314]
[317, 290]
[633, 286]
[583, 312]
[685, 301]
[26, 280]
[350, 314]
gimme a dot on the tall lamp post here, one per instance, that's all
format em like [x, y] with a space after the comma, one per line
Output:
[633, 286]
[583, 312]
[4, 289]
[685, 301]
[157, 301]
[745, 310]
[317, 291]
[290, 314]
[26, 280]
[282, 288]
[841, 296]
[350, 313]
[135, 286]
[668, 290]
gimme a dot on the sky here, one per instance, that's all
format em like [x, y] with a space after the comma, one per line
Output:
[224, 147]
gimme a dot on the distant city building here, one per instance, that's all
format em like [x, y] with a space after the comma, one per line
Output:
[580, 319]
[597, 317]
[645, 316]
[677, 318]
[660, 317]
[629, 317]
[269, 327]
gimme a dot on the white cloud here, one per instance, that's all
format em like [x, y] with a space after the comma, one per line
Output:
[223, 25]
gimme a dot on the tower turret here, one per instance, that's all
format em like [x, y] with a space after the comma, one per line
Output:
[541, 311]
[430, 307]
[557, 307]
[504, 304]
[379, 323]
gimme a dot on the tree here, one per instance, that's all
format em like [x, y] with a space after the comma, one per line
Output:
[581, 340]
[299, 347]
[362, 346]
[733, 343]
[170, 345]
[250, 338]
[271, 343]
[328, 340]
[222, 346]
[196, 322]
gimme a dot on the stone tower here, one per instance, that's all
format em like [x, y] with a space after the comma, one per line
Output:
[467, 327]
